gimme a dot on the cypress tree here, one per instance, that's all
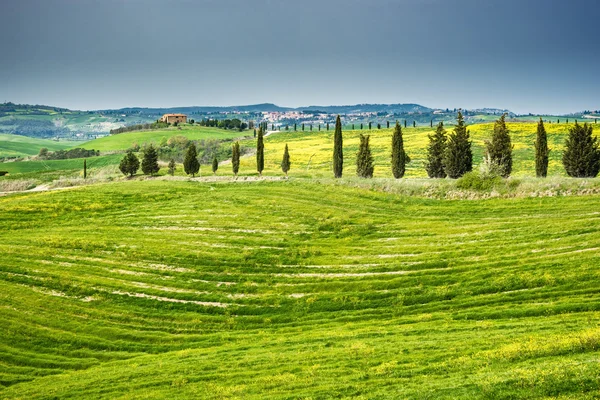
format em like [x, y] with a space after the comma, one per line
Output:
[172, 167]
[295, 127]
[541, 151]
[458, 157]
[369, 126]
[302, 127]
[404, 123]
[255, 132]
[399, 156]
[352, 126]
[191, 166]
[328, 126]
[235, 158]
[431, 124]
[364, 159]
[388, 124]
[378, 126]
[84, 168]
[150, 161]
[581, 157]
[129, 164]
[435, 153]
[215, 165]
[499, 149]
[414, 124]
[338, 156]
[285, 163]
[361, 126]
[260, 152]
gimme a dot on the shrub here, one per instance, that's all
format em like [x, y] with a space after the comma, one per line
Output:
[478, 181]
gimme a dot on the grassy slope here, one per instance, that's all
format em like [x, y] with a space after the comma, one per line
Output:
[16, 145]
[124, 141]
[113, 290]
[319, 145]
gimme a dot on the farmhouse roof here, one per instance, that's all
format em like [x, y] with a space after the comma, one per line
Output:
[174, 115]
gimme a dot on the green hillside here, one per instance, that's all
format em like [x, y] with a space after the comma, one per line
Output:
[164, 289]
[311, 152]
[20, 146]
[123, 141]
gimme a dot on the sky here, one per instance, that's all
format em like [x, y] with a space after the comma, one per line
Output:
[538, 56]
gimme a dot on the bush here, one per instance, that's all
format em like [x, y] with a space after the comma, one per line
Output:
[478, 181]
[2, 173]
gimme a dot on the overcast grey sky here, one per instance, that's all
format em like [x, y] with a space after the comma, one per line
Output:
[525, 55]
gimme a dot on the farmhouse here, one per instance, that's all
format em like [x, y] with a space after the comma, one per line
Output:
[172, 118]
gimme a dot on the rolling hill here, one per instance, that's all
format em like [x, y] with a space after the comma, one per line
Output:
[20, 146]
[290, 289]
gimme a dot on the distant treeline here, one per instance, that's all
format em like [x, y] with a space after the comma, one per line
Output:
[67, 154]
[224, 123]
[139, 127]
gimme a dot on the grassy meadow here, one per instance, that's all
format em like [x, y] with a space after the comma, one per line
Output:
[123, 141]
[21, 146]
[317, 147]
[296, 289]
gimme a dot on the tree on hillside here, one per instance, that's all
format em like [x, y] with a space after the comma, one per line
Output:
[260, 152]
[235, 158]
[378, 126]
[150, 161]
[414, 124]
[285, 163]
[541, 151]
[399, 156]
[581, 157]
[499, 149]
[370, 125]
[458, 157]
[191, 166]
[171, 167]
[338, 156]
[404, 123]
[43, 152]
[129, 164]
[435, 153]
[215, 165]
[364, 159]
[388, 124]
[84, 168]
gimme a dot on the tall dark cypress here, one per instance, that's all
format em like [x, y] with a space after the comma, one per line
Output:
[150, 161]
[235, 158]
[338, 156]
[191, 166]
[364, 159]
[215, 165]
[399, 156]
[285, 162]
[260, 152]
[541, 151]
[499, 149]
[581, 157]
[435, 153]
[84, 168]
[458, 158]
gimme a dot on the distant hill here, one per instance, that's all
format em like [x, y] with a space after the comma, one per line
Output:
[49, 122]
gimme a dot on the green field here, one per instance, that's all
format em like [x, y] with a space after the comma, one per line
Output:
[123, 141]
[20, 146]
[292, 289]
[317, 147]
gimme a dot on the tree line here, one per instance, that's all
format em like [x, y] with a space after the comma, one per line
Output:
[448, 154]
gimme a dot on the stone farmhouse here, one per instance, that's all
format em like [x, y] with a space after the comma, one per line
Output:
[172, 118]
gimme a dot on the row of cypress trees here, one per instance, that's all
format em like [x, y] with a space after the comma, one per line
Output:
[448, 155]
